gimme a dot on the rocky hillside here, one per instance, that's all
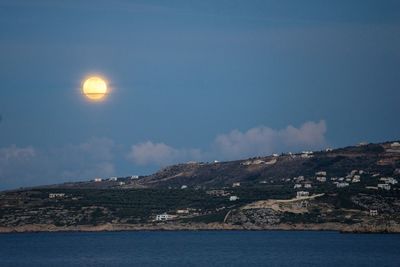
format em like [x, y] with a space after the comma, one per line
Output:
[371, 159]
[349, 189]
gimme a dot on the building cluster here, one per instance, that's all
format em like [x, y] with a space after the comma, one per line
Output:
[56, 195]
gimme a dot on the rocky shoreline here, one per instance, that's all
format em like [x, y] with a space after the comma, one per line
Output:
[356, 228]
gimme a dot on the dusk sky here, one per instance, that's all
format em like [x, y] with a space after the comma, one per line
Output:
[190, 81]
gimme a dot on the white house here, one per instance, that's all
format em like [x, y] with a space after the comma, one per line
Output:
[135, 177]
[322, 179]
[389, 180]
[97, 180]
[121, 183]
[163, 217]
[342, 184]
[384, 186]
[237, 184]
[56, 195]
[233, 198]
[373, 212]
[395, 145]
[183, 186]
[113, 178]
[297, 186]
[321, 173]
[184, 211]
[307, 185]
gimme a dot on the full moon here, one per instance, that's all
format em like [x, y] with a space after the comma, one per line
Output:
[95, 88]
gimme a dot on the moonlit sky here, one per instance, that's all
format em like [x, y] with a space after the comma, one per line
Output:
[191, 80]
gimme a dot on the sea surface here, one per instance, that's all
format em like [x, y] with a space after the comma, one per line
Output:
[204, 248]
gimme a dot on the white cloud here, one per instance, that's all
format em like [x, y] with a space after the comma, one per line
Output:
[31, 166]
[256, 141]
[149, 153]
[264, 140]
[13, 152]
[95, 157]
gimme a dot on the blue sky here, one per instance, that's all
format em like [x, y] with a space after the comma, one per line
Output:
[191, 80]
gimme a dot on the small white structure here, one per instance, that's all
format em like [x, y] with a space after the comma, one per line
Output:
[56, 195]
[384, 186]
[184, 211]
[233, 198]
[395, 145]
[356, 179]
[321, 179]
[353, 172]
[184, 187]
[163, 217]
[276, 155]
[301, 194]
[97, 180]
[307, 185]
[216, 161]
[299, 178]
[389, 180]
[297, 186]
[121, 183]
[373, 212]
[135, 177]
[321, 173]
[113, 178]
[237, 184]
[342, 184]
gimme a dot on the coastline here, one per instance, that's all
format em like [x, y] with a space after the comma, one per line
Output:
[356, 228]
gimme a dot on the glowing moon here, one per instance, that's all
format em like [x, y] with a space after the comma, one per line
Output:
[95, 88]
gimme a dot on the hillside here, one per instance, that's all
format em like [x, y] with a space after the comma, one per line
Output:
[348, 189]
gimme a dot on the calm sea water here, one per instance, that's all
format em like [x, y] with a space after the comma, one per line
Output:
[222, 248]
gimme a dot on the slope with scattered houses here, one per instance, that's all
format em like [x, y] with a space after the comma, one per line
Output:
[347, 189]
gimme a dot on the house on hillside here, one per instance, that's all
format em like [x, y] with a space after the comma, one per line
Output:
[56, 195]
[97, 180]
[163, 217]
[233, 198]
[373, 212]
[342, 184]
[384, 186]
[237, 184]
[182, 211]
[307, 185]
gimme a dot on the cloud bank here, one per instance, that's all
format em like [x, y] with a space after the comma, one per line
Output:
[161, 154]
[256, 141]
[23, 166]
[264, 140]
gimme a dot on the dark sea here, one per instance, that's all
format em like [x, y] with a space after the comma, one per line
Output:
[210, 248]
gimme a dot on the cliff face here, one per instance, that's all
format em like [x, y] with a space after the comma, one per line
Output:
[349, 189]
